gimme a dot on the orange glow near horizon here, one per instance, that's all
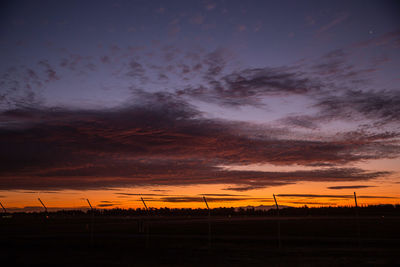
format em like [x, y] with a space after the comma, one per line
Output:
[126, 198]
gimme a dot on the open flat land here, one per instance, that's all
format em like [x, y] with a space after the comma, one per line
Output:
[194, 241]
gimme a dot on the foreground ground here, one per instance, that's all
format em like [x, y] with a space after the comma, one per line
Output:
[194, 241]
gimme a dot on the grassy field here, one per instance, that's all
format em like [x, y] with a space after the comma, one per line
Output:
[194, 241]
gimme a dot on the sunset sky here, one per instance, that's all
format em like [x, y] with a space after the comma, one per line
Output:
[173, 100]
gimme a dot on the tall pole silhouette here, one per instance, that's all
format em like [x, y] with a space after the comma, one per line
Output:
[41, 202]
[5, 211]
[355, 199]
[276, 204]
[145, 206]
[90, 205]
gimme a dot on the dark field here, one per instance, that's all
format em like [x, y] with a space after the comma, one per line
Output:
[183, 240]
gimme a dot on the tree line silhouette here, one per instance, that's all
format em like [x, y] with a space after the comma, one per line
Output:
[370, 210]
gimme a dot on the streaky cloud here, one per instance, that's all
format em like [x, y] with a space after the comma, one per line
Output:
[339, 187]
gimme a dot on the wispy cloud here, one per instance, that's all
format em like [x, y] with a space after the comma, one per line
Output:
[225, 195]
[339, 187]
[211, 199]
[383, 106]
[134, 194]
[391, 39]
[249, 86]
[104, 205]
[335, 21]
[330, 196]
